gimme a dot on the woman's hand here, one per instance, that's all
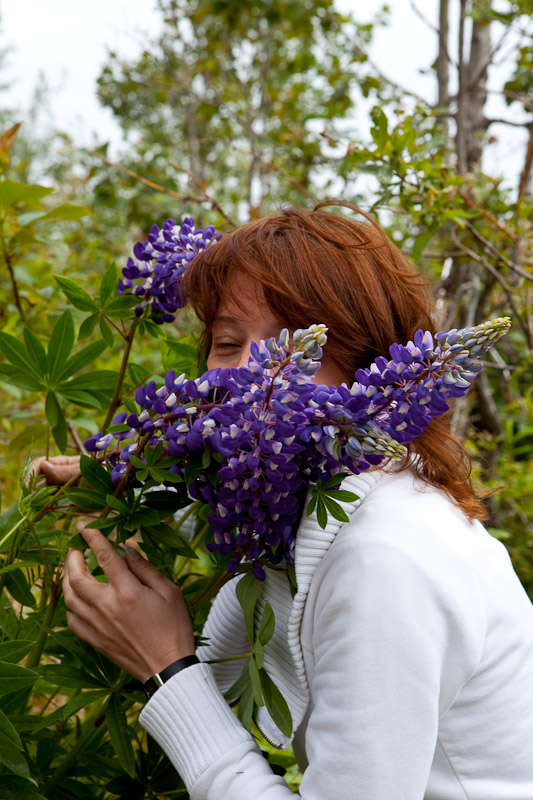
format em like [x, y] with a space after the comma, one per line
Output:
[56, 470]
[139, 620]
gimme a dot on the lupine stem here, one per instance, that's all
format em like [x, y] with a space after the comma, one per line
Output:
[117, 394]
[35, 655]
[183, 560]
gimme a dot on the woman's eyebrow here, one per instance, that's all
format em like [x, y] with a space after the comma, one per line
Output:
[226, 320]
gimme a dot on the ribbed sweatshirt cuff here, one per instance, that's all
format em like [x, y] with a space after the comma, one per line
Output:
[192, 722]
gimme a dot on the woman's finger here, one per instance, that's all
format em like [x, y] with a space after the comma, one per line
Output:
[146, 573]
[81, 628]
[108, 559]
[74, 600]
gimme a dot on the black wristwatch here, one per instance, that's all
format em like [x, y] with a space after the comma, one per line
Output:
[152, 684]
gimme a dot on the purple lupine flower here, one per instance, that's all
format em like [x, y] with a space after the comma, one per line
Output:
[273, 430]
[156, 271]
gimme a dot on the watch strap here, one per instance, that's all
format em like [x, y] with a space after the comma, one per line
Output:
[153, 683]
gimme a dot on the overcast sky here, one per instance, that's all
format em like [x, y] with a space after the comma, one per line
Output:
[67, 40]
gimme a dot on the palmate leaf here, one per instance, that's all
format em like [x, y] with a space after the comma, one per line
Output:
[82, 359]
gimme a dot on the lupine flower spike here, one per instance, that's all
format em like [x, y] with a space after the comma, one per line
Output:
[271, 430]
[155, 274]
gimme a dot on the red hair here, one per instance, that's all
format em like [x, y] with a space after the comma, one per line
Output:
[319, 267]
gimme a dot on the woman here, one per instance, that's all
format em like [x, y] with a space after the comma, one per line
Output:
[406, 655]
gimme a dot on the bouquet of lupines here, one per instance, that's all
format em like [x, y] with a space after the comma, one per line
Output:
[248, 441]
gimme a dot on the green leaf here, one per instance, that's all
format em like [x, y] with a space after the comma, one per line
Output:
[145, 517]
[60, 345]
[14, 677]
[336, 511]
[98, 380]
[321, 513]
[120, 427]
[95, 475]
[130, 405]
[255, 681]
[60, 431]
[162, 475]
[13, 192]
[342, 494]
[15, 651]
[76, 295]
[171, 538]
[70, 676]
[104, 525]
[14, 760]
[166, 500]
[83, 399]
[420, 244]
[259, 653]
[276, 704]
[117, 726]
[107, 333]
[109, 285]
[87, 327]
[379, 131]
[82, 359]
[68, 211]
[19, 588]
[15, 352]
[265, 631]
[335, 480]
[246, 590]
[240, 685]
[121, 308]
[15, 377]
[36, 352]
[8, 734]
[85, 499]
[246, 707]
[51, 409]
[311, 506]
[116, 504]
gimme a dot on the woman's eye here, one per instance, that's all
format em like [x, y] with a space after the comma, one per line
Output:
[229, 346]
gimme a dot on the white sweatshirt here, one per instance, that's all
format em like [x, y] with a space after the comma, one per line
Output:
[406, 658]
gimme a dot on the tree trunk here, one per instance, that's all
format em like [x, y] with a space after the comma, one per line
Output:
[475, 89]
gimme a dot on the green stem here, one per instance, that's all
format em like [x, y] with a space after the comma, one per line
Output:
[12, 551]
[53, 500]
[35, 655]
[211, 592]
[12, 531]
[117, 394]
[182, 561]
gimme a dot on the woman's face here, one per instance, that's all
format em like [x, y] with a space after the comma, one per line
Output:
[237, 326]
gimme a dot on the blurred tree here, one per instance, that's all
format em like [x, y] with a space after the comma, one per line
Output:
[229, 101]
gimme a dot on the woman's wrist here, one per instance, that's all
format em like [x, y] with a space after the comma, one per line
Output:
[156, 680]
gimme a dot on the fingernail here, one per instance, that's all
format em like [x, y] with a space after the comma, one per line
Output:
[132, 553]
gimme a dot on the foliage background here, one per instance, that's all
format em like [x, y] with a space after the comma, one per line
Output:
[234, 111]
